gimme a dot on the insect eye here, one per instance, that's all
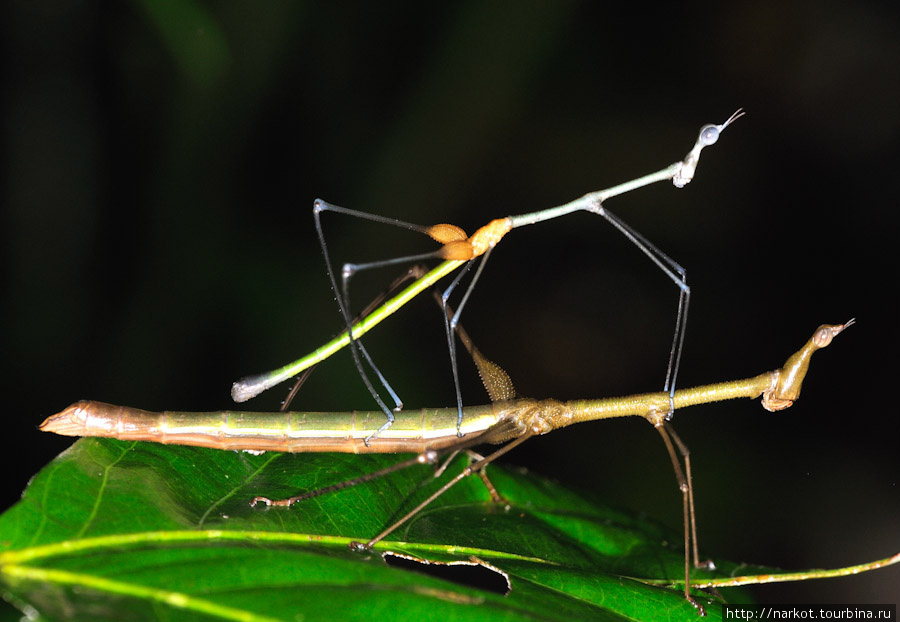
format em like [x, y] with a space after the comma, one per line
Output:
[709, 134]
[823, 336]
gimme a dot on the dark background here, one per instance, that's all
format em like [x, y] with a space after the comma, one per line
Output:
[161, 160]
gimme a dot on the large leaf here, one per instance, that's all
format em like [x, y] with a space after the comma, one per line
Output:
[138, 531]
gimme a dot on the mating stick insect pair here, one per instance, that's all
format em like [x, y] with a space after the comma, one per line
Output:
[431, 433]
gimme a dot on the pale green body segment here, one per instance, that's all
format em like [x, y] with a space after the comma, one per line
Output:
[413, 431]
[251, 386]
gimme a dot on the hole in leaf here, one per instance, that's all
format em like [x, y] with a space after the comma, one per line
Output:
[473, 573]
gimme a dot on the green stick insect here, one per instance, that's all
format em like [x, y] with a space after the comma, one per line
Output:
[432, 432]
[460, 251]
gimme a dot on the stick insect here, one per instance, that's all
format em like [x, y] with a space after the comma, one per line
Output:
[431, 433]
[461, 251]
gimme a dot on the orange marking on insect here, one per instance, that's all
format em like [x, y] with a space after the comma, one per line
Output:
[446, 233]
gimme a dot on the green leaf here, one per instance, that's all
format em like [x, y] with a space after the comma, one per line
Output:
[118, 531]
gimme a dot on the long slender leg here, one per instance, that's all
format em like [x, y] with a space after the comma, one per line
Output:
[358, 350]
[342, 294]
[413, 273]
[687, 495]
[496, 497]
[472, 468]
[451, 324]
[678, 275]
[686, 456]
[504, 429]
[473, 457]
[426, 457]
[458, 248]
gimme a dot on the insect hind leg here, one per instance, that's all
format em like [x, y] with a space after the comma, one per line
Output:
[361, 357]
[678, 275]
